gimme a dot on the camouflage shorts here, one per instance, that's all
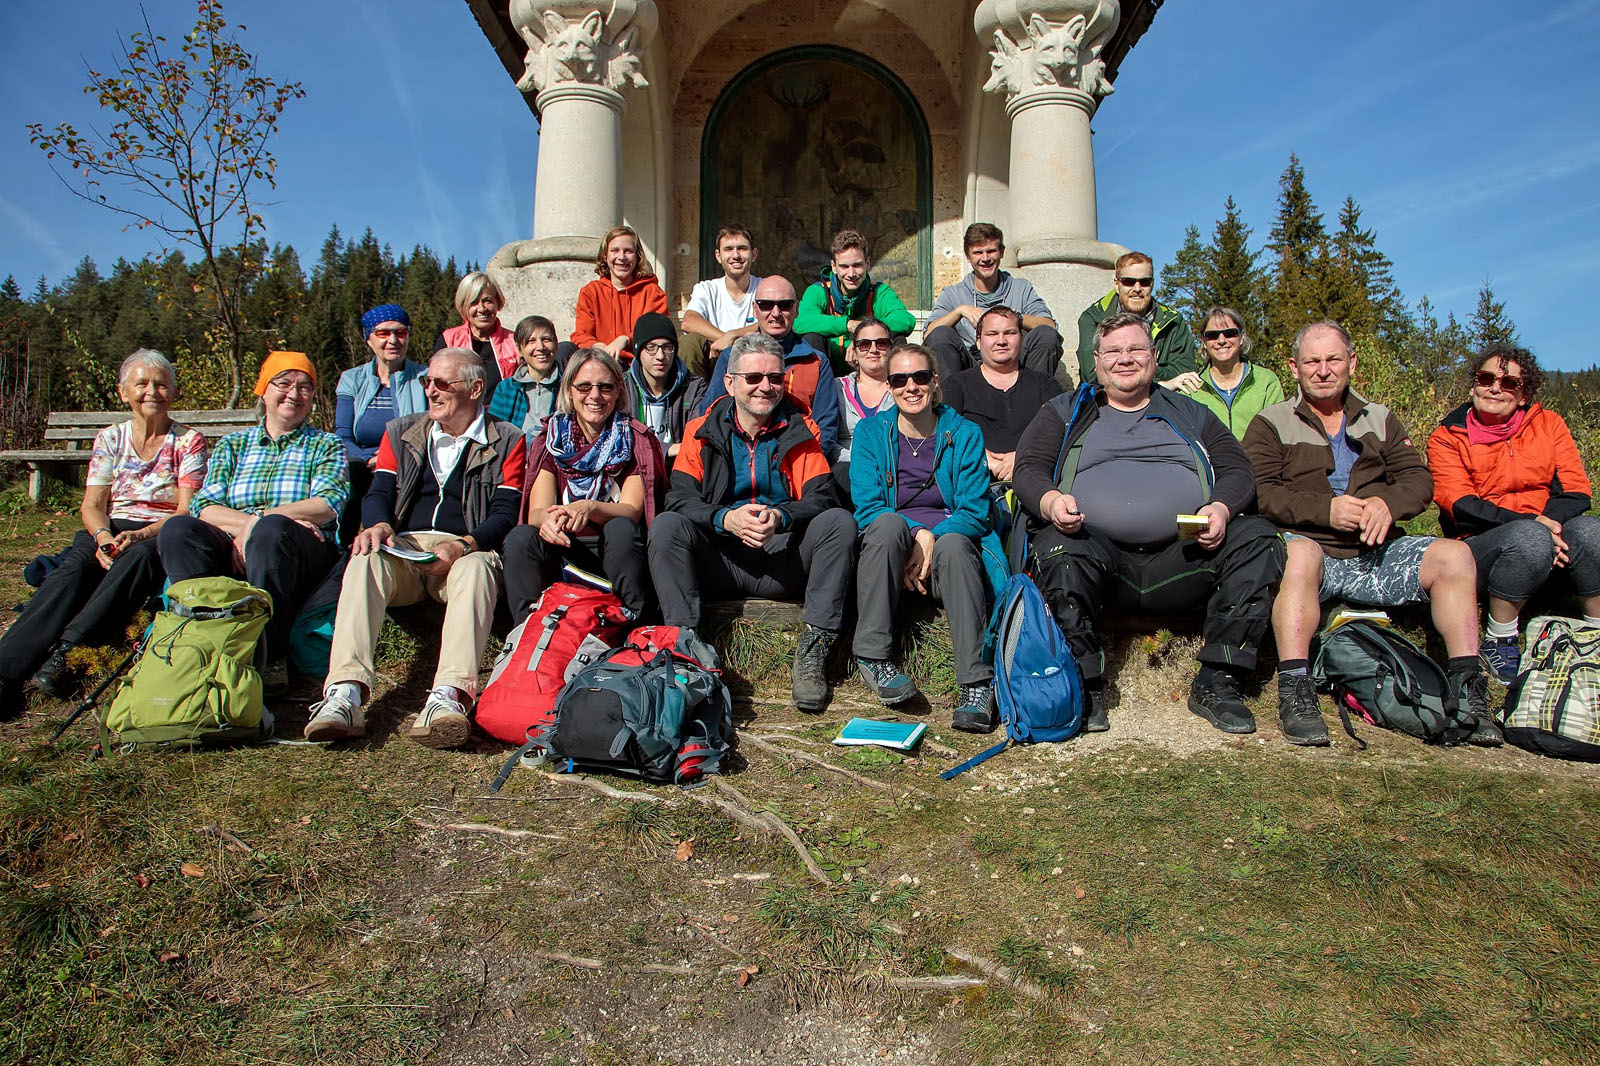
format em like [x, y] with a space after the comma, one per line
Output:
[1386, 576]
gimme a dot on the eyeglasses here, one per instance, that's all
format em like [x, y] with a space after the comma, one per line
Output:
[584, 388]
[303, 388]
[755, 377]
[775, 305]
[1138, 283]
[398, 334]
[1213, 334]
[921, 377]
[442, 384]
[659, 347]
[881, 344]
[1117, 353]
[1488, 379]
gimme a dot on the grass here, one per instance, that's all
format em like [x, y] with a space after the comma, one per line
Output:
[1244, 904]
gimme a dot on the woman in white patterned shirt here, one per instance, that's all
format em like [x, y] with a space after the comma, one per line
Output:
[141, 472]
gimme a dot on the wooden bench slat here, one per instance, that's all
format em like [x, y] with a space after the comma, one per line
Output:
[88, 433]
[196, 419]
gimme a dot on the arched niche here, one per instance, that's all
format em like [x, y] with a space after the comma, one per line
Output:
[811, 140]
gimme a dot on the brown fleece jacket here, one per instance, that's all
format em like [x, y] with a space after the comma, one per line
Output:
[1293, 457]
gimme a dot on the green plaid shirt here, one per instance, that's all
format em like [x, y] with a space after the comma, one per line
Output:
[250, 471]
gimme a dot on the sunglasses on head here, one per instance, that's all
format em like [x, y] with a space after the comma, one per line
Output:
[775, 305]
[756, 377]
[921, 377]
[1138, 283]
[1488, 378]
[584, 388]
[1213, 334]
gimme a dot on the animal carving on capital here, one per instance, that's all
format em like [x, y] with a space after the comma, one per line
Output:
[562, 51]
[1054, 56]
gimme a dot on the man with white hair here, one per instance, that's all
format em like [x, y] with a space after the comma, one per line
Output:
[446, 490]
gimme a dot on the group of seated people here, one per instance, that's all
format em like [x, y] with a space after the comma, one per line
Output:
[1156, 486]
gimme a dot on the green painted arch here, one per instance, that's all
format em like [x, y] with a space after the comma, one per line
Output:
[921, 293]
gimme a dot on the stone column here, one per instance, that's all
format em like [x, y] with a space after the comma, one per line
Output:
[1046, 60]
[582, 55]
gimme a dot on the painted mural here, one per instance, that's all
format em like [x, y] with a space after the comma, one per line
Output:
[811, 145]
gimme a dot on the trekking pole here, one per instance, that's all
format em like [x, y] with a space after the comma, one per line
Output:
[95, 695]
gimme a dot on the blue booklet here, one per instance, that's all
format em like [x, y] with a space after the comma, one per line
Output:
[901, 736]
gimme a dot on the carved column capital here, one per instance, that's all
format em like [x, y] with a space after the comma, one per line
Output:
[587, 42]
[1047, 45]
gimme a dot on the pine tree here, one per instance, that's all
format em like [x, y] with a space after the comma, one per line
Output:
[1183, 281]
[1235, 279]
[1297, 246]
[1371, 272]
[1489, 323]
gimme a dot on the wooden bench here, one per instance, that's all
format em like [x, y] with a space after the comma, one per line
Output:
[76, 430]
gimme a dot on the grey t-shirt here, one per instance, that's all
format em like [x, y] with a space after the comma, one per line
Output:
[1135, 476]
[1016, 293]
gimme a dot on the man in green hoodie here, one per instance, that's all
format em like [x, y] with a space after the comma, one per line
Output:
[1133, 291]
[830, 308]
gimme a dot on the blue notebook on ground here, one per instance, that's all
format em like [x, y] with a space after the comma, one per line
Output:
[901, 736]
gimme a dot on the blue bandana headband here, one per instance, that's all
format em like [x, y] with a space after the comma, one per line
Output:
[383, 313]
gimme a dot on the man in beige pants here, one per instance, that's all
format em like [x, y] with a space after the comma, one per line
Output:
[446, 489]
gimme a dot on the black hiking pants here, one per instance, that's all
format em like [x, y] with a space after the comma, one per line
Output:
[1084, 574]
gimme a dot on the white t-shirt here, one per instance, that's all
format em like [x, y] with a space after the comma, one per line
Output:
[710, 301]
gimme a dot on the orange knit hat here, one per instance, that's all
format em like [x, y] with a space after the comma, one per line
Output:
[277, 362]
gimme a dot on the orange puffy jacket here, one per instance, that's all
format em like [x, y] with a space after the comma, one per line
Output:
[1480, 486]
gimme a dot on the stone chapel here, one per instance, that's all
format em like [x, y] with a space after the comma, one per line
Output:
[903, 119]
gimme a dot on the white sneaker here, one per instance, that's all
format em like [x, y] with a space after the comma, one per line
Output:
[334, 717]
[442, 723]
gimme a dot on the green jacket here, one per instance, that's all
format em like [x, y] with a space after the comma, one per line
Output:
[1175, 351]
[1259, 389]
[826, 310]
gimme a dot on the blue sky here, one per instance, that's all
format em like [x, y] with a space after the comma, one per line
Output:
[1468, 132]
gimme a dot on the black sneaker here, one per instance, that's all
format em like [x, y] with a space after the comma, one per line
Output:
[1298, 713]
[51, 677]
[1471, 691]
[975, 712]
[886, 680]
[1218, 702]
[809, 677]
[1094, 713]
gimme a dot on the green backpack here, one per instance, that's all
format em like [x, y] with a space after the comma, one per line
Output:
[194, 684]
[1388, 681]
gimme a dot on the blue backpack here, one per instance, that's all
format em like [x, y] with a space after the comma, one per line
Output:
[1036, 680]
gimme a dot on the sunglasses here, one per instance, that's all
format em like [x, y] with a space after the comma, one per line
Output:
[398, 334]
[584, 388]
[755, 377]
[442, 384]
[775, 305]
[921, 377]
[1138, 283]
[874, 344]
[1213, 334]
[1488, 379]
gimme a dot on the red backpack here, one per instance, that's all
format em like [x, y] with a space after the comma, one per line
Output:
[568, 628]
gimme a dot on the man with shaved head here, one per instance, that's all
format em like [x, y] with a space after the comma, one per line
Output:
[809, 380]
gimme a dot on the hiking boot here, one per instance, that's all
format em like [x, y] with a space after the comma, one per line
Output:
[1095, 719]
[886, 681]
[1501, 657]
[809, 677]
[334, 717]
[275, 677]
[51, 677]
[1298, 713]
[1218, 702]
[1471, 692]
[975, 712]
[442, 723]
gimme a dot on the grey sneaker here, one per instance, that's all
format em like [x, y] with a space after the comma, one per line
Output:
[1472, 693]
[1298, 713]
[975, 712]
[442, 723]
[886, 680]
[809, 676]
[335, 718]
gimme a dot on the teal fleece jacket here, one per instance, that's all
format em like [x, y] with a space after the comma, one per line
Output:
[959, 469]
